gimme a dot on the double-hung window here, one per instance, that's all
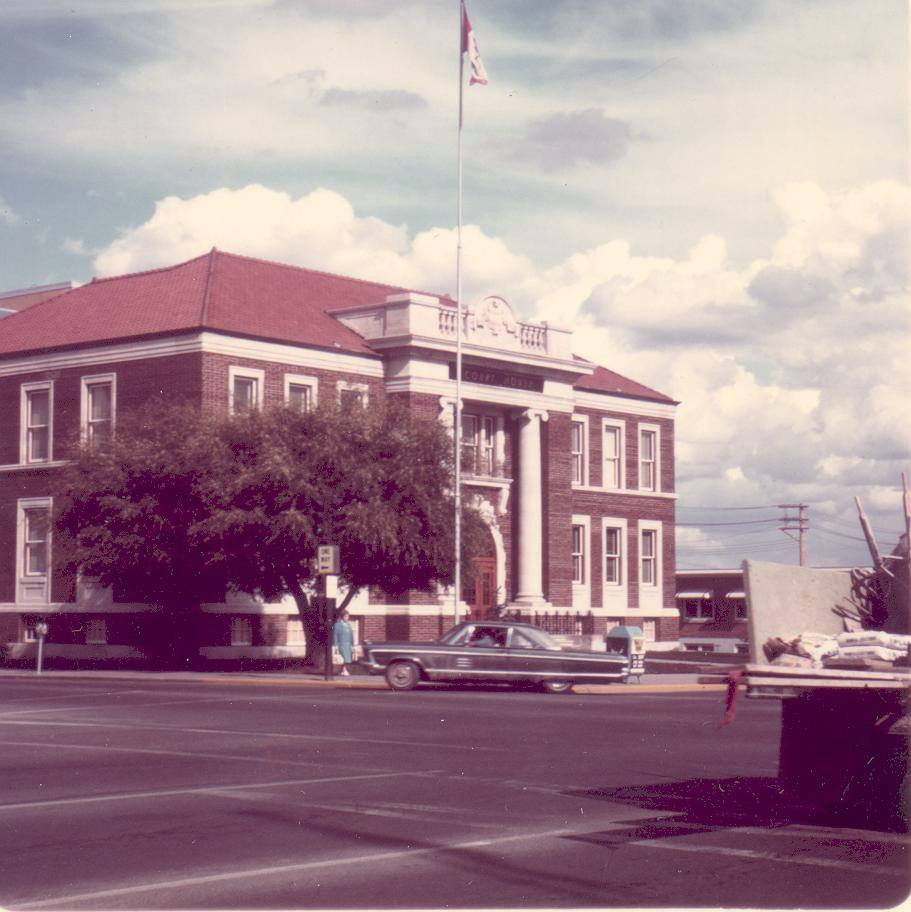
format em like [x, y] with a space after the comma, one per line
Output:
[578, 448]
[245, 389]
[613, 555]
[478, 440]
[37, 422]
[300, 392]
[648, 459]
[33, 550]
[36, 541]
[352, 394]
[578, 554]
[99, 406]
[649, 557]
[612, 452]
[241, 631]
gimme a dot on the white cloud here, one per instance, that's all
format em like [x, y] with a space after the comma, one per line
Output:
[75, 246]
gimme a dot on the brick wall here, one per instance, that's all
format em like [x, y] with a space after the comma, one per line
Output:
[215, 386]
[557, 539]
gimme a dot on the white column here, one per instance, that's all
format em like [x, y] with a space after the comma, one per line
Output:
[531, 553]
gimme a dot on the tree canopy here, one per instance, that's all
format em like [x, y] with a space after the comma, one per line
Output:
[180, 506]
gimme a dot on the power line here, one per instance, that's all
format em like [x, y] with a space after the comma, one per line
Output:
[763, 507]
[744, 522]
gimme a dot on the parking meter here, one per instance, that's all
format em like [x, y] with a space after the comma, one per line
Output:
[41, 633]
[629, 642]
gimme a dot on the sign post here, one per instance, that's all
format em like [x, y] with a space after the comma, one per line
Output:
[41, 633]
[327, 564]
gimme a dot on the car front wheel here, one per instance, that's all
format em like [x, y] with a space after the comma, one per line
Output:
[558, 687]
[403, 675]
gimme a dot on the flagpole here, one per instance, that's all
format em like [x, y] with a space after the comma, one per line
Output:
[457, 581]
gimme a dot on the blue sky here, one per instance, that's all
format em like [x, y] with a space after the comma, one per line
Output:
[714, 192]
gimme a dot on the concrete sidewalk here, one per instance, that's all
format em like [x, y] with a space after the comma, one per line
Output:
[647, 683]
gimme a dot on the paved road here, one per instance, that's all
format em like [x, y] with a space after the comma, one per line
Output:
[205, 792]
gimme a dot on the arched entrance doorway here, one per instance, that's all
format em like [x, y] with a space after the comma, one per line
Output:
[479, 591]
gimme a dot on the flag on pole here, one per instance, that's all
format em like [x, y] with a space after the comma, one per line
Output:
[470, 47]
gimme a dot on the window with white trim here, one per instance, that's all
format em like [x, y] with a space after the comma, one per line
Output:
[579, 449]
[648, 557]
[36, 541]
[245, 389]
[30, 631]
[698, 609]
[648, 458]
[613, 555]
[241, 631]
[578, 554]
[612, 454]
[294, 632]
[349, 393]
[300, 392]
[37, 410]
[34, 535]
[98, 407]
[478, 444]
[96, 632]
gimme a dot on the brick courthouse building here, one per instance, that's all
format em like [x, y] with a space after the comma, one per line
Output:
[571, 465]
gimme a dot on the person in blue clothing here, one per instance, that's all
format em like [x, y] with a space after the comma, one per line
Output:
[343, 640]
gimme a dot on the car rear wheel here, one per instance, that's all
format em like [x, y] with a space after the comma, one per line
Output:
[557, 687]
[403, 675]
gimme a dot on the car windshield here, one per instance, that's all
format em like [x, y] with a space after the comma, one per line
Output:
[522, 637]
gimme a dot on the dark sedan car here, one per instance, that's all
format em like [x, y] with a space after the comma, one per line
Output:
[493, 651]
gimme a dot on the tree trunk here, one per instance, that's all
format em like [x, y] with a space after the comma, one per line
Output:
[310, 621]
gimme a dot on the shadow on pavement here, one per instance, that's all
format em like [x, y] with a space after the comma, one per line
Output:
[740, 801]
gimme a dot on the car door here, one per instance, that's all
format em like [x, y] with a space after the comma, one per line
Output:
[484, 655]
[528, 659]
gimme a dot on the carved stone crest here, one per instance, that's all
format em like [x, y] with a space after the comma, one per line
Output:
[495, 317]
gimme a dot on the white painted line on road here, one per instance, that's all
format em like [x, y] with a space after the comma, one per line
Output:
[755, 855]
[204, 790]
[107, 749]
[74, 690]
[83, 707]
[321, 739]
[64, 901]
[363, 809]
[380, 857]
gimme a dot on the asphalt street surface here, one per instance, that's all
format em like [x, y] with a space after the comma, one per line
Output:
[142, 792]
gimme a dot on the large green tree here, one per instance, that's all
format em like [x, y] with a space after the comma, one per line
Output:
[180, 506]
[375, 482]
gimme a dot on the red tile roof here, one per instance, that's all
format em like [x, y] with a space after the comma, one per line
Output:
[218, 291]
[227, 293]
[607, 381]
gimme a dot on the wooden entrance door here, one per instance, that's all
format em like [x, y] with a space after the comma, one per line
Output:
[482, 596]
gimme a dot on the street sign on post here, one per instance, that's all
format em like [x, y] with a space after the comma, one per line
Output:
[327, 562]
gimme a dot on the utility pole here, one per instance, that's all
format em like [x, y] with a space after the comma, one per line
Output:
[798, 524]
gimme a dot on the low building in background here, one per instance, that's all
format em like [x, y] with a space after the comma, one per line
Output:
[713, 611]
[570, 464]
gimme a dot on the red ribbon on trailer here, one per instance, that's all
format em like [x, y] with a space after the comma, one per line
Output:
[730, 703]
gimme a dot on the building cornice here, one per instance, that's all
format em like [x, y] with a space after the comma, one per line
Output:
[191, 343]
[496, 395]
[624, 492]
[609, 402]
